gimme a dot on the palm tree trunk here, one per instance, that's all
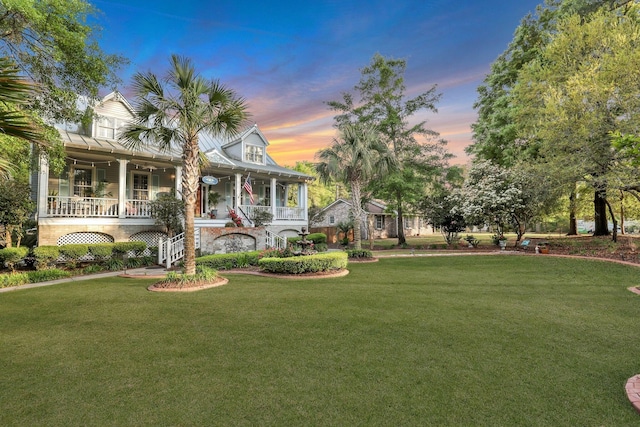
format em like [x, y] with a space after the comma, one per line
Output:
[357, 214]
[189, 192]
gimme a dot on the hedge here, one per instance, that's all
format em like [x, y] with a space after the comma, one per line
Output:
[121, 248]
[74, 251]
[46, 256]
[11, 256]
[101, 250]
[359, 253]
[305, 264]
[229, 261]
[313, 237]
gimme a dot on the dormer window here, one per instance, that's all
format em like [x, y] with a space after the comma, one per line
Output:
[108, 127]
[254, 154]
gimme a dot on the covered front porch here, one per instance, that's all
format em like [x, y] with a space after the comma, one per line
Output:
[97, 186]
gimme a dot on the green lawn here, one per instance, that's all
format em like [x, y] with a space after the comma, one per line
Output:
[461, 341]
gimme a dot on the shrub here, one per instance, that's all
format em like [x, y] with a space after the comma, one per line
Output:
[229, 261]
[75, 251]
[114, 264]
[93, 268]
[46, 256]
[305, 264]
[261, 217]
[293, 240]
[133, 262]
[101, 251]
[13, 279]
[321, 247]
[11, 256]
[45, 275]
[359, 253]
[132, 248]
[277, 253]
[317, 238]
[203, 273]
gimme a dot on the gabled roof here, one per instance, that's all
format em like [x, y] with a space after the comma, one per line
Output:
[243, 135]
[117, 96]
[213, 148]
[376, 207]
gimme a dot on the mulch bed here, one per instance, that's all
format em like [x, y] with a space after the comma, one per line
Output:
[187, 286]
[301, 276]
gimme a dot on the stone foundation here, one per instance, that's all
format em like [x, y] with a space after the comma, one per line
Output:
[232, 239]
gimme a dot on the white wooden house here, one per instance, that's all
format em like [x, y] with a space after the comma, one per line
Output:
[105, 190]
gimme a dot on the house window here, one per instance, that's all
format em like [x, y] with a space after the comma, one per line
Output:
[408, 222]
[140, 189]
[83, 182]
[254, 154]
[379, 222]
[332, 219]
[108, 127]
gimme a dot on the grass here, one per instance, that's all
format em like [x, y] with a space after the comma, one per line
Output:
[490, 340]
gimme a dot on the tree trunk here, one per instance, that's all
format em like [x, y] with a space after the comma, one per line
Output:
[357, 214]
[7, 232]
[190, 179]
[601, 227]
[371, 224]
[621, 213]
[615, 222]
[573, 207]
[401, 238]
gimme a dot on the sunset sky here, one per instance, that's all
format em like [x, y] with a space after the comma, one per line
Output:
[287, 59]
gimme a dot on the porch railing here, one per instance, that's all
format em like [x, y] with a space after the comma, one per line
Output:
[275, 241]
[172, 250]
[137, 208]
[82, 207]
[289, 213]
[282, 213]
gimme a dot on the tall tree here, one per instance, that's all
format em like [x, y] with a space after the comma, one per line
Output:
[496, 132]
[418, 152]
[503, 196]
[355, 157]
[174, 113]
[581, 89]
[55, 47]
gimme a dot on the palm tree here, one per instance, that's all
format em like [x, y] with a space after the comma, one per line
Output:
[15, 93]
[174, 112]
[355, 157]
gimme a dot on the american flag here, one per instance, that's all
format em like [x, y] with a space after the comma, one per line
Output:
[247, 186]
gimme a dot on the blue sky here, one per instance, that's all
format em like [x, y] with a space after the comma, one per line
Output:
[287, 59]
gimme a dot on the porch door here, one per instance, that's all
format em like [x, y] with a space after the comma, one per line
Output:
[140, 189]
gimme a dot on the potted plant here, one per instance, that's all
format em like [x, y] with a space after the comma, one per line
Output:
[472, 241]
[214, 198]
[500, 240]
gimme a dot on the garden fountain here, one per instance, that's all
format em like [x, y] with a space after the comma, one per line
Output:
[305, 245]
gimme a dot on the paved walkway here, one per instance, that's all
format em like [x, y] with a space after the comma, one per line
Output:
[139, 272]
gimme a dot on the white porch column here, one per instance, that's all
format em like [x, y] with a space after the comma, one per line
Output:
[304, 202]
[274, 188]
[43, 187]
[238, 190]
[178, 182]
[122, 188]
